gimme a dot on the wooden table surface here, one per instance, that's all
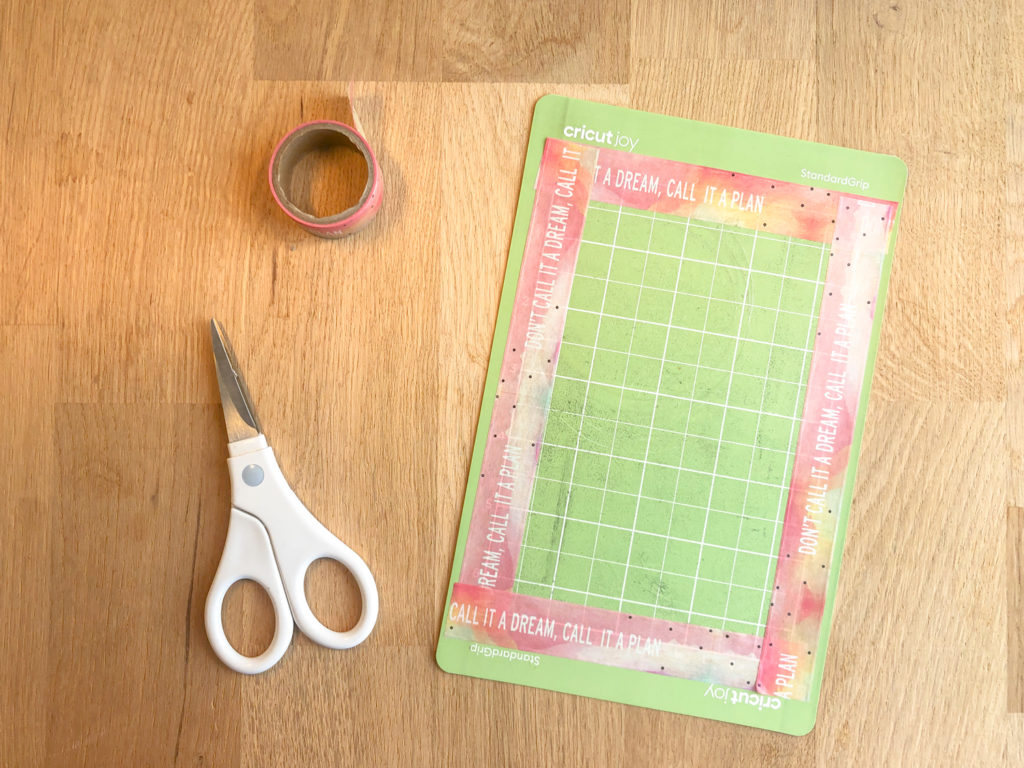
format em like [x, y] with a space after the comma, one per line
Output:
[135, 207]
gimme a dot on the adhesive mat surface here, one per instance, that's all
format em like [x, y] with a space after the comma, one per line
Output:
[672, 424]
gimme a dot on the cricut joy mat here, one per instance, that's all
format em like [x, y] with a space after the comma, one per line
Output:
[666, 449]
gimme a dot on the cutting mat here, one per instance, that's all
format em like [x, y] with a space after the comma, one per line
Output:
[663, 472]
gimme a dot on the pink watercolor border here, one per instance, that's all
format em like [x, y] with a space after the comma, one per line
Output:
[518, 417]
[527, 372]
[818, 481]
[576, 632]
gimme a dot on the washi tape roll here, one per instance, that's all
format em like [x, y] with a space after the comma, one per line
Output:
[310, 137]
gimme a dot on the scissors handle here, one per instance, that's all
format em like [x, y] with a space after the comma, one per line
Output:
[296, 540]
[248, 555]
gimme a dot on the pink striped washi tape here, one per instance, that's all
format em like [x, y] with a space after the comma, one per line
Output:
[316, 135]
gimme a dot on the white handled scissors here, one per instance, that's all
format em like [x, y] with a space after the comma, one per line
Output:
[272, 538]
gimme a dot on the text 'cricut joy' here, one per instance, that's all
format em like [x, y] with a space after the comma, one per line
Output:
[735, 696]
[611, 138]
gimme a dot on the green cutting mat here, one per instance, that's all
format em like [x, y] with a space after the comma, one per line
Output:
[674, 417]
[664, 463]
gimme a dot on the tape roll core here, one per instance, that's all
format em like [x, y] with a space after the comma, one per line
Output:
[311, 137]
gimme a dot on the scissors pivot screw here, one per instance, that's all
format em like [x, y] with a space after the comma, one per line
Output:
[252, 475]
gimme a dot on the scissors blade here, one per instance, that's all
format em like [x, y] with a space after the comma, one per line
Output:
[239, 414]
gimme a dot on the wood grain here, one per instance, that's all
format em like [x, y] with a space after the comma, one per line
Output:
[565, 42]
[134, 208]
[723, 31]
[1015, 609]
[347, 40]
[114, 693]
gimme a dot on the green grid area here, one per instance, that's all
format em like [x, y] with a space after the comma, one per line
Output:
[673, 421]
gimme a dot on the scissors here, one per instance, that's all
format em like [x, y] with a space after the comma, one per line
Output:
[272, 538]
